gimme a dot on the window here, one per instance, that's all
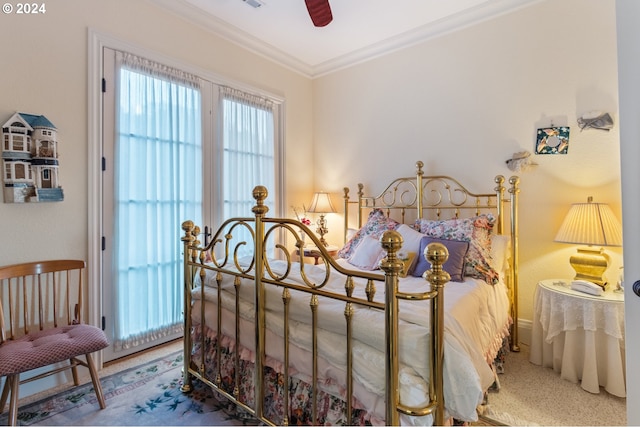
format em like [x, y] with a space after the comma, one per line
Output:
[183, 147]
[249, 153]
[18, 143]
[158, 184]
[20, 171]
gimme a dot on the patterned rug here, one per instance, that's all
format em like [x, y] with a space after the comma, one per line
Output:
[145, 395]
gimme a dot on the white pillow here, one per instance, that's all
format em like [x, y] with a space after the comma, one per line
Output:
[411, 238]
[411, 243]
[500, 252]
[368, 254]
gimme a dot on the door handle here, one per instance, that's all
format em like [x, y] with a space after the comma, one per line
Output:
[636, 288]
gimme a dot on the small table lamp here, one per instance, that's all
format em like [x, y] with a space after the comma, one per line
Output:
[592, 224]
[321, 204]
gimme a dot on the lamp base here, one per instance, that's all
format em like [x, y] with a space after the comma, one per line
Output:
[322, 229]
[590, 264]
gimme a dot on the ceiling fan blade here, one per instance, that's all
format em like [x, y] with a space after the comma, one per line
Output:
[319, 11]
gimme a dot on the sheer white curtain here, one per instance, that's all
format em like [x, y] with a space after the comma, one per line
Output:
[249, 152]
[158, 185]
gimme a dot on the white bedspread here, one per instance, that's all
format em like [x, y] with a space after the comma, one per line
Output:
[476, 320]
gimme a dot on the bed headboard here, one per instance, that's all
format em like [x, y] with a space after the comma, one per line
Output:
[442, 197]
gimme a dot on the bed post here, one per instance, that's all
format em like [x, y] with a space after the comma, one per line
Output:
[419, 174]
[514, 190]
[360, 196]
[500, 201]
[260, 210]
[391, 242]
[346, 215]
[437, 254]
[187, 241]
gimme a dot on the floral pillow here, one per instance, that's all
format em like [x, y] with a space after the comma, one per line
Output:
[377, 223]
[477, 231]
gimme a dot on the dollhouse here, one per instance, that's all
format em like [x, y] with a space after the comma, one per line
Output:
[30, 160]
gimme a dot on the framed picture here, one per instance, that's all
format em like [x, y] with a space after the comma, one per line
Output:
[553, 140]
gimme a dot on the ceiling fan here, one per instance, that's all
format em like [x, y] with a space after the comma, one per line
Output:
[319, 11]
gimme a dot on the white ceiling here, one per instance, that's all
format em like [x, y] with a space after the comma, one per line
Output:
[361, 29]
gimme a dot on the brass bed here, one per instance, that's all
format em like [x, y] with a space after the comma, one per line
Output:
[349, 345]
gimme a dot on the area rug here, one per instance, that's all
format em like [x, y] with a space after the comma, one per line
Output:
[146, 395]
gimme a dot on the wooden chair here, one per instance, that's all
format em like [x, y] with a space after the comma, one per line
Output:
[41, 325]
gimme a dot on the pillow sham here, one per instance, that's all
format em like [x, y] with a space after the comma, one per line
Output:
[367, 254]
[455, 263]
[477, 231]
[377, 223]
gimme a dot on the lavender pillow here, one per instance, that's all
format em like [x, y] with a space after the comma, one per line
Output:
[455, 263]
[477, 231]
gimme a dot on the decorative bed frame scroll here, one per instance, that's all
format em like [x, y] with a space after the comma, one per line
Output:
[266, 236]
[444, 197]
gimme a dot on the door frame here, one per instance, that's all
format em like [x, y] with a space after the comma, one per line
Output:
[96, 176]
[627, 15]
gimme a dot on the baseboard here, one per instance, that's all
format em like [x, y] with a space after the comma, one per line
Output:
[524, 331]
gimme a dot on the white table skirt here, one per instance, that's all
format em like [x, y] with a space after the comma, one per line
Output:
[580, 337]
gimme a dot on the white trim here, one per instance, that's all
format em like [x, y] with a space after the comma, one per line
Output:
[97, 41]
[94, 181]
[236, 36]
[524, 331]
[105, 40]
[467, 18]
[457, 22]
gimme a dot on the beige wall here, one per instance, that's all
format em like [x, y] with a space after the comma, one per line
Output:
[44, 71]
[466, 101]
[463, 103]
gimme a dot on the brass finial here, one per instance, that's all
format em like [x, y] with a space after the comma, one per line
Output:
[260, 194]
[437, 254]
[187, 226]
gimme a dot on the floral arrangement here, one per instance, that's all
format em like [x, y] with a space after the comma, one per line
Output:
[303, 219]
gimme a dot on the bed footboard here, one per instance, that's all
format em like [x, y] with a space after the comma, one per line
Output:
[233, 279]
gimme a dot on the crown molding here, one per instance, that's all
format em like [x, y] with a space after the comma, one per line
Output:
[467, 18]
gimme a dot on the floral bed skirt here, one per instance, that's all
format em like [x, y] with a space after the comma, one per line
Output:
[331, 409]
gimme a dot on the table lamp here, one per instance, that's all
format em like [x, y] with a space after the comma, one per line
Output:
[591, 224]
[321, 204]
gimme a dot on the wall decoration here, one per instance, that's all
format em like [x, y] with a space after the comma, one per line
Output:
[553, 140]
[596, 120]
[30, 160]
[521, 162]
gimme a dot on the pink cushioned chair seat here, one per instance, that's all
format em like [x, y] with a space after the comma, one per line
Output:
[49, 346]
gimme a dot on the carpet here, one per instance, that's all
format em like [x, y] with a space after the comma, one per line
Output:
[146, 395]
[490, 417]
